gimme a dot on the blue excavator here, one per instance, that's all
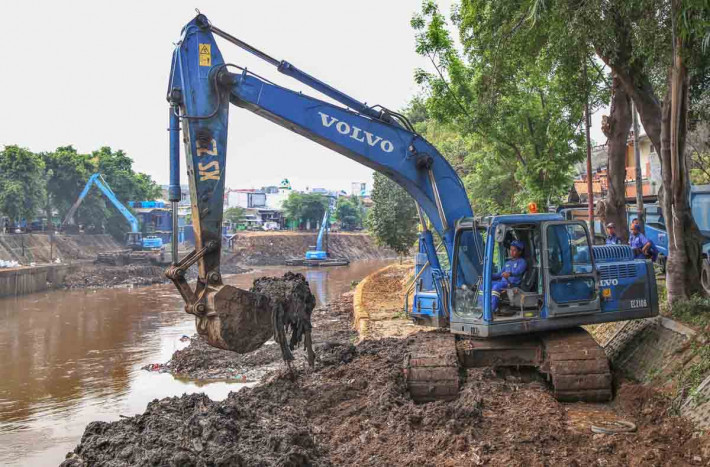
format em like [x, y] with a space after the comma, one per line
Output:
[568, 282]
[318, 255]
[135, 240]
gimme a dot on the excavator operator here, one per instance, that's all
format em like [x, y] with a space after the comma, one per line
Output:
[511, 275]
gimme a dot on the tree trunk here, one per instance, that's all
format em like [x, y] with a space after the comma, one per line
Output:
[616, 130]
[684, 262]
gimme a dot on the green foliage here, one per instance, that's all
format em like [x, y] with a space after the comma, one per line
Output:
[21, 183]
[302, 207]
[696, 313]
[66, 173]
[234, 214]
[393, 217]
[117, 169]
[514, 89]
[348, 211]
[53, 181]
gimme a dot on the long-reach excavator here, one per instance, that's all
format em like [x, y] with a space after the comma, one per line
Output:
[568, 282]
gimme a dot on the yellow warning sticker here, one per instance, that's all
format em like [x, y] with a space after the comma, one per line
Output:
[205, 55]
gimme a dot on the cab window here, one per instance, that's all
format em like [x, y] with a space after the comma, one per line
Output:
[569, 255]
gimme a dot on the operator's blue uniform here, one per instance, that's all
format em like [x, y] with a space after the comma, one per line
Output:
[613, 240]
[638, 241]
[516, 268]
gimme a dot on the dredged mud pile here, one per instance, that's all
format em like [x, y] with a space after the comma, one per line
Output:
[354, 410]
[331, 329]
[137, 274]
[95, 276]
[196, 431]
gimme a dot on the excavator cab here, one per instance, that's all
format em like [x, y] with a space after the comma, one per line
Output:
[134, 241]
[567, 281]
[559, 277]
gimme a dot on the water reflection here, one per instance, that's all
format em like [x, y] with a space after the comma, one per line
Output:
[70, 357]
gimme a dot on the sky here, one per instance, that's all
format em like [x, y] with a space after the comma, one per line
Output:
[92, 73]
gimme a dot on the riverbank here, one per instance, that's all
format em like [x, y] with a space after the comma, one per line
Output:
[354, 409]
[274, 248]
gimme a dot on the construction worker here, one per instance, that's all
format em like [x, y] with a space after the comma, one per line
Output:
[532, 208]
[611, 238]
[641, 246]
[511, 275]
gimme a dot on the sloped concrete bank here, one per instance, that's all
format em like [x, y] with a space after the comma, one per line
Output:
[654, 352]
[41, 248]
[274, 248]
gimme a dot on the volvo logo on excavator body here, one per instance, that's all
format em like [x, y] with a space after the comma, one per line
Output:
[344, 128]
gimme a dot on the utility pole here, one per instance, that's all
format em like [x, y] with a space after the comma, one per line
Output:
[590, 184]
[639, 181]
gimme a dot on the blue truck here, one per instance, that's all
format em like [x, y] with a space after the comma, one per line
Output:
[655, 225]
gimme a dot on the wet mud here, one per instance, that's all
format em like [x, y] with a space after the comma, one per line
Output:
[131, 275]
[352, 408]
[331, 334]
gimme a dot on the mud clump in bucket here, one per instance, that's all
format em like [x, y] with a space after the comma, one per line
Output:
[242, 321]
[291, 303]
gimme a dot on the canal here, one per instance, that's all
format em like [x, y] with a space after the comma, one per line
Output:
[69, 357]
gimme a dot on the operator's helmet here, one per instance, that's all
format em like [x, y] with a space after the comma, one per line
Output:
[518, 244]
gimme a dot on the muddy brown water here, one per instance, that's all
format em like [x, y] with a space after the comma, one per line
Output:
[71, 357]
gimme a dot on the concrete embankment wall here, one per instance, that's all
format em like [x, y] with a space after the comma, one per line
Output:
[24, 280]
[274, 248]
[654, 351]
[41, 248]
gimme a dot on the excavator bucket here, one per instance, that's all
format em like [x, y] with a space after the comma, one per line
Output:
[237, 320]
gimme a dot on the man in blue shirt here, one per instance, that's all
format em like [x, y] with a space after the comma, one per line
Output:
[641, 246]
[611, 238]
[511, 275]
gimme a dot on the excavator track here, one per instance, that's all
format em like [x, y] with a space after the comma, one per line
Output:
[574, 363]
[577, 366]
[431, 368]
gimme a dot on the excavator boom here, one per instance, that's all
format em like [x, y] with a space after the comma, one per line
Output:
[200, 89]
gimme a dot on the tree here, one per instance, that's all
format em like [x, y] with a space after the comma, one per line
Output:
[698, 153]
[393, 217]
[657, 48]
[66, 173]
[21, 183]
[234, 214]
[516, 92]
[305, 207]
[616, 128]
[348, 211]
[128, 185]
[653, 47]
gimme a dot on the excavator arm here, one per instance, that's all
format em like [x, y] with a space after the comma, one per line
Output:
[98, 180]
[201, 87]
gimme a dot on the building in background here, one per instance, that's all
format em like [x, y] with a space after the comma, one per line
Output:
[650, 170]
[359, 189]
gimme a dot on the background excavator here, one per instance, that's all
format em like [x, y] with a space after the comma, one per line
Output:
[318, 254]
[135, 241]
[568, 281]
